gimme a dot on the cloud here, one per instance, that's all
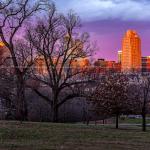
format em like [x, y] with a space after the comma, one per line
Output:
[135, 10]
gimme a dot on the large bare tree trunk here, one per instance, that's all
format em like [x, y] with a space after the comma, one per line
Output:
[55, 107]
[117, 121]
[22, 112]
[55, 114]
[143, 122]
[144, 117]
[22, 10]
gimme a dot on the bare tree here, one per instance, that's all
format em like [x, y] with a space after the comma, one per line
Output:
[13, 15]
[7, 95]
[61, 47]
[110, 96]
[141, 97]
[7, 86]
[145, 89]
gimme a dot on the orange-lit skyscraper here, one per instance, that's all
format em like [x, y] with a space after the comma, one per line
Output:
[131, 52]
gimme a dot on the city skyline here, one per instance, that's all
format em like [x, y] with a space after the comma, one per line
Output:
[107, 26]
[116, 53]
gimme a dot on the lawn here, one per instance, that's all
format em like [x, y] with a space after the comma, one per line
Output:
[133, 121]
[49, 136]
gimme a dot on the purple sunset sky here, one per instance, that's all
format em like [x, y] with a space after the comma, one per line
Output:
[109, 34]
[108, 20]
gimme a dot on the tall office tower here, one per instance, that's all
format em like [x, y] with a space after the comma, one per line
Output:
[131, 52]
[119, 56]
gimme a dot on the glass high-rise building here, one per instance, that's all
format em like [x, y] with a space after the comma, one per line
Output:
[119, 56]
[131, 52]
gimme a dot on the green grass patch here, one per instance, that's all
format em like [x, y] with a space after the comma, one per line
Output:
[134, 120]
[49, 136]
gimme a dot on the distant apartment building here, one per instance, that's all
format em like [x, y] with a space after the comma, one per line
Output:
[80, 63]
[100, 63]
[1, 44]
[146, 64]
[104, 66]
[4, 53]
[5, 59]
[119, 56]
[41, 68]
[113, 66]
[131, 52]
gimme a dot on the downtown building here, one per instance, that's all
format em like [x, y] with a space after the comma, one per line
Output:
[131, 52]
[119, 56]
[4, 53]
[107, 66]
[146, 64]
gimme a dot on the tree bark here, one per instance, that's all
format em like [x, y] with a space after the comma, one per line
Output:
[144, 116]
[143, 122]
[117, 121]
[21, 105]
[55, 114]
[103, 121]
[55, 107]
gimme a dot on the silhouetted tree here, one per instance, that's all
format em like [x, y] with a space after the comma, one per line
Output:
[145, 90]
[7, 86]
[110, 96]
[58, 44]
[7, 92]
[13, 15]
[141, 97]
